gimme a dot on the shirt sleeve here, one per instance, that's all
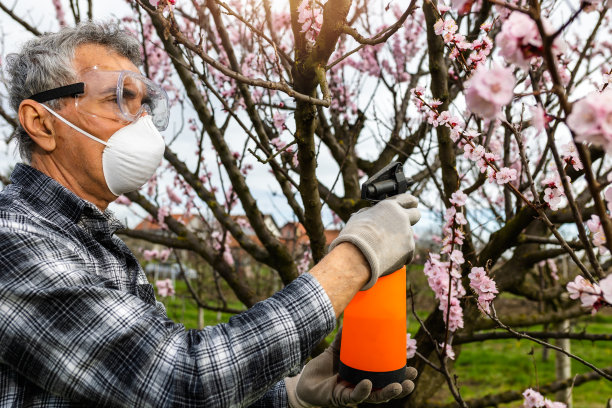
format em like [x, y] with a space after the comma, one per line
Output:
[276, 397]
[76, 335]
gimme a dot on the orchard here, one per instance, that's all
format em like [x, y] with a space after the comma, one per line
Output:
[499, 111]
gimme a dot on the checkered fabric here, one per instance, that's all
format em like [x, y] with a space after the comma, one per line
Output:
[79, 324]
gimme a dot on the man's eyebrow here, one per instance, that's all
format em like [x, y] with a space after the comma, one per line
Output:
[109, 90]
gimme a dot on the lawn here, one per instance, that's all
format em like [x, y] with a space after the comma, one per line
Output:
[482, 368]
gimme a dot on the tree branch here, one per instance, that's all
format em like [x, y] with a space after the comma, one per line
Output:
[19, 20]
[493, 400]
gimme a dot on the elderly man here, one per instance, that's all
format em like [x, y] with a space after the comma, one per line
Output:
[78, 321]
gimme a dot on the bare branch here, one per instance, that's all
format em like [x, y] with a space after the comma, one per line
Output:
[493, 400]
[19, 20]
[478, 337]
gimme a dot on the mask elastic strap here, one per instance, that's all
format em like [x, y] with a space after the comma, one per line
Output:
[89, 135]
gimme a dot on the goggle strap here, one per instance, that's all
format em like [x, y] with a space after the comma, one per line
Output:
[61, 92]
[89, 135]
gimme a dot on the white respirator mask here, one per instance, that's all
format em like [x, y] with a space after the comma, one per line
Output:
[131, 156]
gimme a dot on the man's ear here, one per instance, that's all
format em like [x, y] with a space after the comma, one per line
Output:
[38, 123]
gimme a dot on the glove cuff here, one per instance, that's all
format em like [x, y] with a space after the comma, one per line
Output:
[292, 397]
[367, 251]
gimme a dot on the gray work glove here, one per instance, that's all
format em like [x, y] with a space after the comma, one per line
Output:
[383, 233]
[318, 385]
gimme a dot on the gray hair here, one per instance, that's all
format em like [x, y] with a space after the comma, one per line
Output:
[45, 63]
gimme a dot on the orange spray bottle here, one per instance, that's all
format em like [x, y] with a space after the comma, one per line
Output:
[374, 328]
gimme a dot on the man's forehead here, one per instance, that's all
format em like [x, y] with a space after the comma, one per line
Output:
[90, 56]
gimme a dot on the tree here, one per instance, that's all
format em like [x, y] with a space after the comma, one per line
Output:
[499, 111]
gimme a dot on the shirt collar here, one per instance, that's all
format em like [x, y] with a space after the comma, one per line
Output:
[53, 199]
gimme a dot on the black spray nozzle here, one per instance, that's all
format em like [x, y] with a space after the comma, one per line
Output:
[388, 182]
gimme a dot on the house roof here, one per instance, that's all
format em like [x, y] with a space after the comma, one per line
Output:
[149, 224]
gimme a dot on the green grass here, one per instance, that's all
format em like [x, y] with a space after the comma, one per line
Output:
[482, 368]
[501, 365]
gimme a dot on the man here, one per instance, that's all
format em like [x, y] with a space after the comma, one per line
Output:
[78, 320]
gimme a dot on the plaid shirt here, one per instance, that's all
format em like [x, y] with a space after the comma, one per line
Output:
[79, 323]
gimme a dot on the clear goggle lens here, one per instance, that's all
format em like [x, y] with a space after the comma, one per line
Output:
[123, 96]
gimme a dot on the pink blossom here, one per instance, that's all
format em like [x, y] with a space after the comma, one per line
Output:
[473, 152]
[599, 237]
[448, 350]
[585, 290]
[311, 19]
[483, 286]
[278, 143]
[279, 120]
[608, 198]
[411, 347]
[553, 196]
[150, 254]
[437, 273]
[173, 196]
[165, 287]
[533, 399]
[505, 175]
[457, 257]
[162, 213]
[462, 6]
[538, 118]
[520, 40]
[476, 275]
[458, 198]
[553, 404]
[123, 200]
[164, 254]
[591, 119]
[489, 90]
[570, 156]
[304, 263]
[552, 266]
[227, 256]
[439, 27]
[606, 288]
[486, 27]
[59, 12]
[442, 8]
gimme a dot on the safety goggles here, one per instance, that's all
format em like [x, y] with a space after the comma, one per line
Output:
[117, 95]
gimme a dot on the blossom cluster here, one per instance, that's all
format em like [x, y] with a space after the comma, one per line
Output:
[411, 347]
[444, 276]
[481, 47]
[221, 243]
[311, 19]
[569, 154]
[484, 287]
[534, 399]
[59, 13]
[162, 256]
[464, 138]
[164, 287]
[591, 295]
[553, 191]
[303, 264]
